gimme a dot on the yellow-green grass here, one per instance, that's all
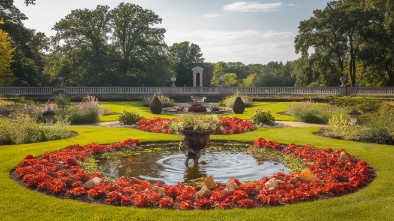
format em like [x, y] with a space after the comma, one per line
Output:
[130, 106]
[375, 202]
[276, 108]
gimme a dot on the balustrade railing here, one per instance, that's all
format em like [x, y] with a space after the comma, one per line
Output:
[373, 91]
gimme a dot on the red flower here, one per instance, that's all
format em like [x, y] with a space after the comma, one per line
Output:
[59, 173]
[186, 205]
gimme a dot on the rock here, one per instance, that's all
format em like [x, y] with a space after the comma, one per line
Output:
[308, 176]
[272, 184]
[343, 157]
[231, 186]
[91, 183]
[209, 183]
[159, 190]
[204, 191]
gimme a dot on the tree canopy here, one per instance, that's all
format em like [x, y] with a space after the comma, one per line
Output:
[124, 46]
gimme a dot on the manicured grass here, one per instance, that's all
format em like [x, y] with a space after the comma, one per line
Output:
[375, 202]
[130, 106]
[276, 108]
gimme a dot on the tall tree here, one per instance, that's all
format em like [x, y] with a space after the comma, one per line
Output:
[141, 44]
[28, 64]
[186, 55]
[334, 34]
[6, 54]
[86, 30]
[218, 71]
[378, 51]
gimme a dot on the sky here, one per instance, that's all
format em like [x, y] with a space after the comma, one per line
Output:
[251, 32]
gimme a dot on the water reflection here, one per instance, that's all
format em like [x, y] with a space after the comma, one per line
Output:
[169, 166]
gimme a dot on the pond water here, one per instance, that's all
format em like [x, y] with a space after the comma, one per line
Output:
[169, 166]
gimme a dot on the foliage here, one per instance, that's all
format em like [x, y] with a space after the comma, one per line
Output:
[185, 56]
[6, 55]
[30, 47]
[195, 122]
[336, 177]
[86, 112]
[374, 128]
[312, 113]
[360, 103]
[21, 128]
[275, 74]
[110, 47]
[129, 118]
[263, 117]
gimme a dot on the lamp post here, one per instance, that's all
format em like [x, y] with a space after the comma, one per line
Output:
[353, 117]
[173, 79]
[222, 79]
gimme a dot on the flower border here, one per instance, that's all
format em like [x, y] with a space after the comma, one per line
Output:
[59, 173]
[229, 125]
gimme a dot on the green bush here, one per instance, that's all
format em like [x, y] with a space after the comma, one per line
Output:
[311, 113]
[21, 128]
[129, 118]
[376, 129]
[57, 131]
[263, 117]
[359, 103]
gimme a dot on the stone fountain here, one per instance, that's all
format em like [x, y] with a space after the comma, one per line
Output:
[195, 141]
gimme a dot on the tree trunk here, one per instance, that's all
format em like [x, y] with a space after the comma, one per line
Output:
[390, 73]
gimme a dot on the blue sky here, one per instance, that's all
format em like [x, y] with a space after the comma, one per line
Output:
[226, 30]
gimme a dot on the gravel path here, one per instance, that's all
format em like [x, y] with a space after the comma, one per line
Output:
[300, 124]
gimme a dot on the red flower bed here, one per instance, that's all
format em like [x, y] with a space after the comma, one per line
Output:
[230, 125]
[59, 173]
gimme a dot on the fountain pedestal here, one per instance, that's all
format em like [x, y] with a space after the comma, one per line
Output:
[195, 140]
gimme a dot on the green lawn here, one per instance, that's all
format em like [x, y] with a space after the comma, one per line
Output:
[276, 108]
[375, 202]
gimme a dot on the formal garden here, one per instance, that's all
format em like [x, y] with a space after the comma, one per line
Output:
[341, 163]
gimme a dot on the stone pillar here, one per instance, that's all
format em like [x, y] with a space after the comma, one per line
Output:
[343, 87]
[197, 70]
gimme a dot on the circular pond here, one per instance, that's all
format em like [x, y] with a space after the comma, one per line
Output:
[169, 165]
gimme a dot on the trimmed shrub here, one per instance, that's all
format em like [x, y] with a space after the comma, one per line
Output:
[166, 101]
[229, 101]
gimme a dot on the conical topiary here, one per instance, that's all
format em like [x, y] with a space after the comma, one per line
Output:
[155, 105]
[238, 106]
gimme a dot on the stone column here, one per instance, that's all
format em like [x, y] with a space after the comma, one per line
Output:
[196, 70]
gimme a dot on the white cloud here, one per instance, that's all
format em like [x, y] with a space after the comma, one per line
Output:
[247, 46]
[224, 37]
[212, 15]
[252, 7]
[251, 54]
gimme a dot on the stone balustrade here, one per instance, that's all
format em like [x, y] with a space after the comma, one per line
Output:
[362, 91]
